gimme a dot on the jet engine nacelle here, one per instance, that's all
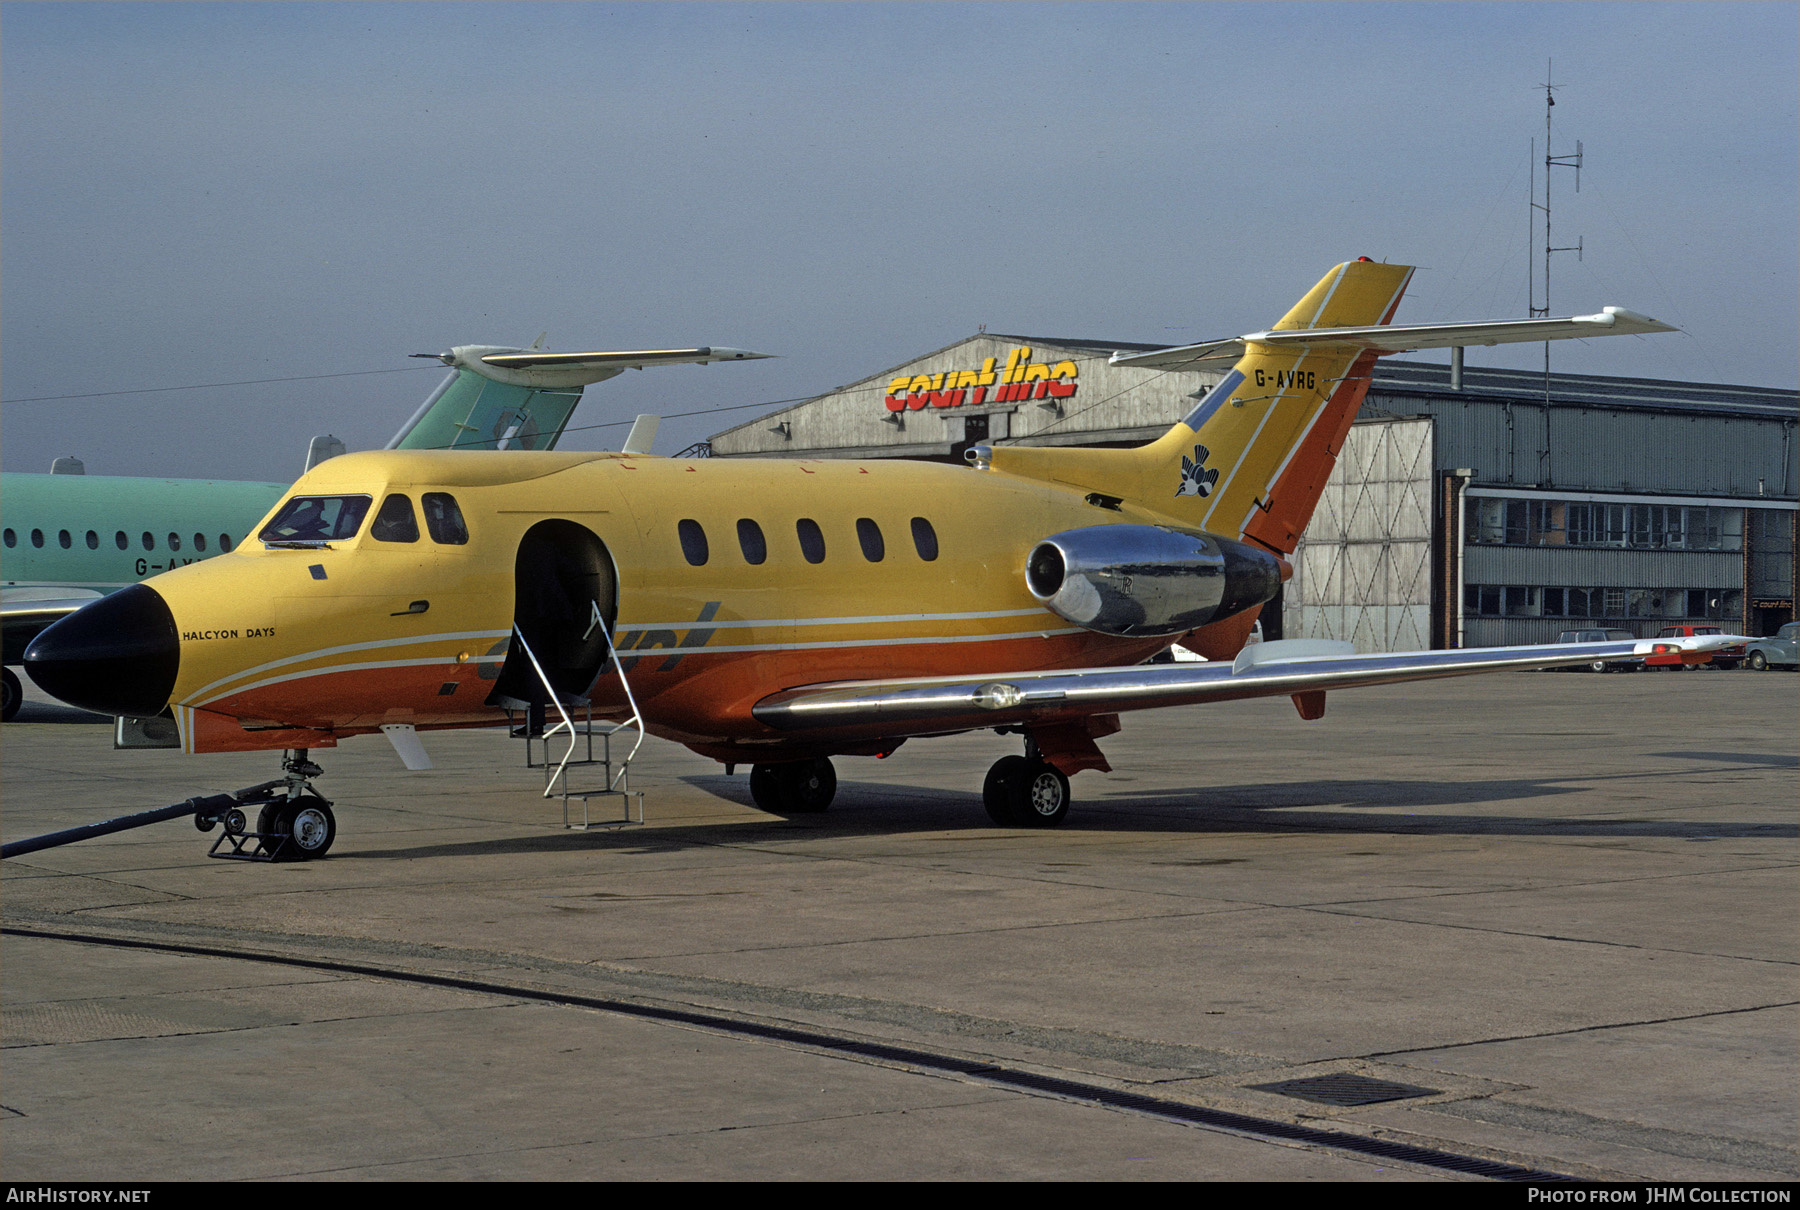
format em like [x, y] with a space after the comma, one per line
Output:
[1139, 580]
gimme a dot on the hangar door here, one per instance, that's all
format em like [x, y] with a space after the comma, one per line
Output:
[1362, 570]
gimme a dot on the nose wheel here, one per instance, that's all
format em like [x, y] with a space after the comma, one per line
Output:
[295, 824]
[296, 829]
[15, 694]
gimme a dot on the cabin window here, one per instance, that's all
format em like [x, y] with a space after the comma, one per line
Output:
[924, 539]
[200, 542]
[149, 540]
[444, 519]
[62, 538]
[225, 542]
[693, 542]
[174, 541]
[37, 537]
[121, 541]
[869, 534]
[751, 541]
[11, 539]
[316, 519]
[93, 540]
[395, 522]
[812, 539]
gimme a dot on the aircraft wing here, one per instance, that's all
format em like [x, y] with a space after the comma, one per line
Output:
[1404, 338]
[1273, 669]
[26, 611]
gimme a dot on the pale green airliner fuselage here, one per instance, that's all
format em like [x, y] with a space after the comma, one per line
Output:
[103, 532]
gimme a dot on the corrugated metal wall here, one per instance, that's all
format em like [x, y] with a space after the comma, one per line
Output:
[1608, 450]
[1108, 404]
[1363, 570]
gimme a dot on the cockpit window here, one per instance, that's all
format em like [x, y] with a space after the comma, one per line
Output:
[395, 522]
[317, 519]
[444, 519]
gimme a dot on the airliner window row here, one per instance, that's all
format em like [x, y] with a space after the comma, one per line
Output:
[755, 547]
[67, 541]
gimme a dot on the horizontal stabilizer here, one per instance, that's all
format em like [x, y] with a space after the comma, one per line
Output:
[1289, 667]
[1405, 338]
[504, 398]
[536, 368]
[630, 359]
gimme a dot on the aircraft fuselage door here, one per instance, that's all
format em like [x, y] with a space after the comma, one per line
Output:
[565, 602]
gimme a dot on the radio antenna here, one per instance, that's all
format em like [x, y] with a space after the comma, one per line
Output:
[1550, 161]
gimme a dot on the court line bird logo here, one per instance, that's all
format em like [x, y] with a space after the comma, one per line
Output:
[1196, 479]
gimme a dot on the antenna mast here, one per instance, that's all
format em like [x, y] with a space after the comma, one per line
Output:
[1550, 161]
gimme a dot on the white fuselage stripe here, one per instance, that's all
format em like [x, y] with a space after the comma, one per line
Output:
[856, 620]
[859, 620]
[321, 653]
[648, 653]
[851, 645]
[295, 676]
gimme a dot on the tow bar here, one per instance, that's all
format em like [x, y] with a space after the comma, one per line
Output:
[294, 823]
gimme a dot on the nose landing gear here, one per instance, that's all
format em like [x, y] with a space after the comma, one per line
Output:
[295, 823]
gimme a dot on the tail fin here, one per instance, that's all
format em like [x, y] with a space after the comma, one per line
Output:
[1252, 457]
[472, 412]
[520, 399]
[1265, 439]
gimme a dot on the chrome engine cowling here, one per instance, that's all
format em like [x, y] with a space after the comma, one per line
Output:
[1138, 580]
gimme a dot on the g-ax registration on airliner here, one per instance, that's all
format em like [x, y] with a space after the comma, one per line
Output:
[779, 613]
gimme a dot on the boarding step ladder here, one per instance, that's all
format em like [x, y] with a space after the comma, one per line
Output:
[615, 772]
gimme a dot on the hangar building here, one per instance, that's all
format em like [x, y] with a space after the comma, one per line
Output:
[1468, 508]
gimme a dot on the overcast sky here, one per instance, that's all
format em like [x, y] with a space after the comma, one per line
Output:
[213, 193]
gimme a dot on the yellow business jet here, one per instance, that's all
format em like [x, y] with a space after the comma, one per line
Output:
[777, 613]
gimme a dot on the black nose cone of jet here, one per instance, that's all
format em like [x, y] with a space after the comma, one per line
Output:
[116, 656]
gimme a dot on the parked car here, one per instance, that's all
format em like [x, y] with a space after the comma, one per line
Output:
[1728, 658]
[1599, 636]
[1778, 649]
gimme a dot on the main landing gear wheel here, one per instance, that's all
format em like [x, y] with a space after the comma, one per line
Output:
[997, 792]
[1023, 792]
[304, 823]
[15, 694]
[803, 787]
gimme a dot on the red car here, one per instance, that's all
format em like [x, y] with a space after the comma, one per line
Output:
[1730, 657]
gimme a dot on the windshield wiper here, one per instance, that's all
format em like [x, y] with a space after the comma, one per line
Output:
[297, 544]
